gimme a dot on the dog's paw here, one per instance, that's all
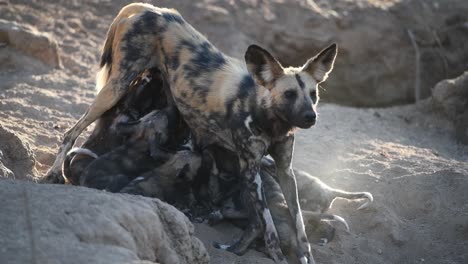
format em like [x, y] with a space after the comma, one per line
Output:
[307, 258]
[323, 241]
[215, 217]
[220, 246]
[235, 248]
[53, 178]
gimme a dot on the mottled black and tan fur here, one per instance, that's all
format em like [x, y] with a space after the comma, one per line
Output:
[248, 106]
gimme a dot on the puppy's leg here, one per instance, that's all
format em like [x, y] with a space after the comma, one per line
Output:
[282, 152]
[229, 210]
[107, 97]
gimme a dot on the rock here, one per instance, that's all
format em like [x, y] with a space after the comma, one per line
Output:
[64, 224]
[4, 171]
[29, 41]
[451, 97]
[16, 157]
[461, 128]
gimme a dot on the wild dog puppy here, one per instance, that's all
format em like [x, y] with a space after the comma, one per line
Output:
[170, 181]
[144, 94]
[150, 147]
[250, 107]
[124, 129]
[115, 169]
[316, 196]
[279, 210]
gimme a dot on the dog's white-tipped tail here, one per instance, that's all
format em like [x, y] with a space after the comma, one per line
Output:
[369, 199]
[83, 151]
[68, 160]
[341, 220]
[101, 77]
[309, 215]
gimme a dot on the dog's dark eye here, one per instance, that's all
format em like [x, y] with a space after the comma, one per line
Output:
[313, 96]
[290, 94]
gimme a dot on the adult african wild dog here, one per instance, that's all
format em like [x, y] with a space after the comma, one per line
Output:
[249, 107]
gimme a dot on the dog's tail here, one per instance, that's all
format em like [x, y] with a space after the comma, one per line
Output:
[309, 215]
[69, 157]
[355, 196]
[106, 57]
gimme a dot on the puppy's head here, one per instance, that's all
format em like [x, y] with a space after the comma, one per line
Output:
[293, 93]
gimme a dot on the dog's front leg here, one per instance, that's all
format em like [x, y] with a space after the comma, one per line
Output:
[282, 152]
[251, 150]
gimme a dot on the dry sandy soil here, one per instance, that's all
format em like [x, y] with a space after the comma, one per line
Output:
[406, 156]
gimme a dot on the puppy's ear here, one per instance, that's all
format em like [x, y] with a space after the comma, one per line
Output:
[263, 67]
[322, 64]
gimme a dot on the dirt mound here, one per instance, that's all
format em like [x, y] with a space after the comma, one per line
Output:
[408, 158]
[451, 97]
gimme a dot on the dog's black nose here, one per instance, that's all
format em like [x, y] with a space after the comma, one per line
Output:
[310, 117]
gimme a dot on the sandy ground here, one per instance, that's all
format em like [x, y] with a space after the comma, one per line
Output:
[406, 156]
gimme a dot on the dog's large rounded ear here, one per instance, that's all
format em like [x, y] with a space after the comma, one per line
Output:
[322, 64]
[263, 67]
